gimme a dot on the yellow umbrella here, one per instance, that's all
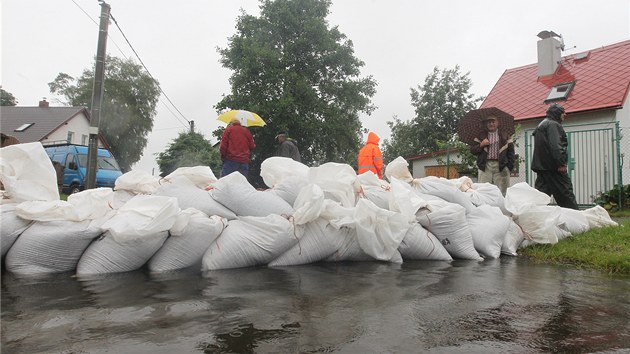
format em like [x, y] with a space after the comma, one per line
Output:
[247, 118]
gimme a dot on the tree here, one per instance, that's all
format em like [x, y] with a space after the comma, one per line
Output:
[187, 150]
[7, 98]
[439, 105]
[128, 107]
[300, 76]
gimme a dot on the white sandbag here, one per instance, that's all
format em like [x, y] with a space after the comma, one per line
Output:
[87, 204]
[189, 195]
[351, 251]
[275, 169]
[250, 241]
[463, 183]
[338, 181]
[512, 240]
[121, 198]
[399, 169]
[190, 237]
[522, 196]
[107, 255]
[539, 223]
[598, 217]
[404, 200]
[200, 176]
[450, 226]
[317, 241]
[27, 173]
[487, 194]
[143, 216]
[337, 215]
[51, 246]
[573, 221]
[138, 182]
[309, 204]
[11, 226]
[443, 188]
[420, 244]
[379, 231]
[374, 189]
[235, 193]
[289, 188]
[488, 227]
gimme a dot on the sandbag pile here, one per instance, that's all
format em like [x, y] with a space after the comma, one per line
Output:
[326, 213]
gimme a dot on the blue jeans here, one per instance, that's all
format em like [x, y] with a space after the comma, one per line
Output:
[231, 166]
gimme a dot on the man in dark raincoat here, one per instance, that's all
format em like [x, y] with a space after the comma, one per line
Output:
[288, 147]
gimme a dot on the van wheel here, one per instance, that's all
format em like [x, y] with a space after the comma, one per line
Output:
[74, 189]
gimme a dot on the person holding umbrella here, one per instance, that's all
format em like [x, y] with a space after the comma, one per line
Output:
[550, 158]
[236, 146]
[495, 154]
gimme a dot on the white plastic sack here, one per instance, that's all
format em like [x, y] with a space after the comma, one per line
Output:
[450, 226]
[379, 231]
[138, 182]
[404, 200]
[51, 246]
[522, 196]
[539, 223]
[598, 217]
[200, 176]
[487, 194]
[420, 244]
[374, 189]
[87, 204]
[318, 240]
[275, 169]
[107, 255]
[11, 226]
[189, 195]
[309, 204]
[338, 181]
[289, 188]
[512, 240]
[351, 251]
[443, 188]
[250, 241]
[573, 221]
[463, 183]
[142, 217]
[235, 193]
[488, 227]
[399, 169]
[190, 237]
[27, 173]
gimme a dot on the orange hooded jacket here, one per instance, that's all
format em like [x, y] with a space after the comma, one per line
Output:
[371, 157]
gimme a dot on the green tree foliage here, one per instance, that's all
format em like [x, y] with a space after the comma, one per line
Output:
[299, 75]
[128, 106]
[187, 150]
[439, 105]
[7, 98]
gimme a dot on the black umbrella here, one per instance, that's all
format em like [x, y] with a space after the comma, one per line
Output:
[473, 123]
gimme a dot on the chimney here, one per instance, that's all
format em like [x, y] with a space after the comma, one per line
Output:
[43, 103]
[549, 52]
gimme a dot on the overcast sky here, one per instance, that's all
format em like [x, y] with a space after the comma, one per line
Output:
[400, 41]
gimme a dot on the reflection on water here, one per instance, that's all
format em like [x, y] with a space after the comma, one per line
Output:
[505, 305]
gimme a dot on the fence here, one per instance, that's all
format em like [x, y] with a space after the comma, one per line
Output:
[596, 160]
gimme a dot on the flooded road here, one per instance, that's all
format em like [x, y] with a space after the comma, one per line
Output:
[496, 306]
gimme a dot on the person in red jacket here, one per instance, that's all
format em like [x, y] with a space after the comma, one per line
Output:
[237, 144]
[371, 157]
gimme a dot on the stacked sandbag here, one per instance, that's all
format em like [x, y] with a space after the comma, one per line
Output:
[189, 195]
[11, 226]
[374, 189]
[420, 244]
[338, 181]
[289, 188]
[234, 192]
[487, 194]
[488, 227]
[27, 173]
[133, 235]
[379, 231]
[190, 237]
[450, 226]
[51, 246]
[284, 176]
[351, 251]
[250, 241]
[513, 239]
[444, 189]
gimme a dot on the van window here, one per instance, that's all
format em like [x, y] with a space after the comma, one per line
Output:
[70, 162]
[103, 163]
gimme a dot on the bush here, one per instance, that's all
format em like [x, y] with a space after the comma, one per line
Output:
[610, 200]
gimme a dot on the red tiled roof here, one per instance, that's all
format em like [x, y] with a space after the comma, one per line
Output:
[602, 81]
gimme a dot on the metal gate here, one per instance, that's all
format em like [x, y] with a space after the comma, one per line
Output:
[594, 160]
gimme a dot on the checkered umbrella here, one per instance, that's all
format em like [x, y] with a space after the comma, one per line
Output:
[472, 123]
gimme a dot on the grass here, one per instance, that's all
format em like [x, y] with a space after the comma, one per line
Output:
[606, 249]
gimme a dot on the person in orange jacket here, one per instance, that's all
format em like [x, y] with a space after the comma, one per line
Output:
[371, 157]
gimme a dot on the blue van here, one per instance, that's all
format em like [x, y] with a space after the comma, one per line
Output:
[74, 160]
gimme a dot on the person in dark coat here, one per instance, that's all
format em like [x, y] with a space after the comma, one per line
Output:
[236, 146]
[288, 147]
[495, 155]
[550, 158]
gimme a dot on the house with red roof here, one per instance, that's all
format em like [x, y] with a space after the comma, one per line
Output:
[593, 86]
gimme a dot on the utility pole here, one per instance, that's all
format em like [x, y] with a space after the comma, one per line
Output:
[192, 126]
[97, 97]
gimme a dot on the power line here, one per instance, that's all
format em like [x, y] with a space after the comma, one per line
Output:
[96, 23]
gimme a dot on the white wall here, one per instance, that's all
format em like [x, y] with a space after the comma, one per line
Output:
[79, 125]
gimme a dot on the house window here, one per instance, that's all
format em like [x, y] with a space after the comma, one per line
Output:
[23, 127]
[560, 92]
[70, 137]
[84, 139]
